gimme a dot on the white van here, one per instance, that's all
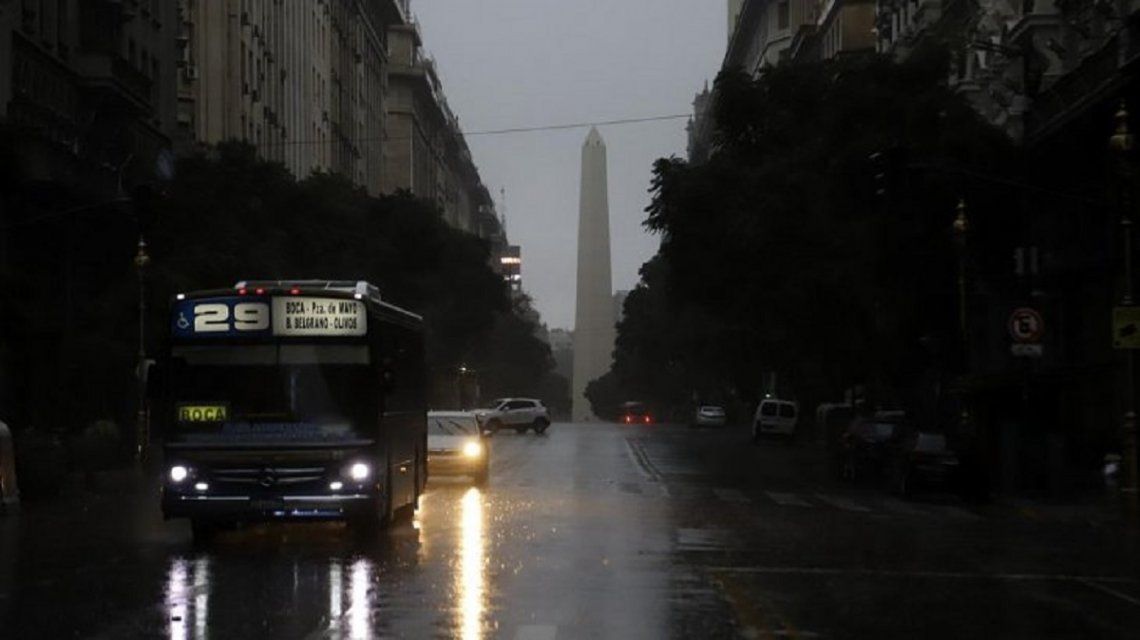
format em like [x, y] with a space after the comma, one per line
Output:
[776, 417]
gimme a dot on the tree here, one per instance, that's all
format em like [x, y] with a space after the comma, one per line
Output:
[777, 255]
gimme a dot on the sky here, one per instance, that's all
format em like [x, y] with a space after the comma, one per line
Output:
[524, 63]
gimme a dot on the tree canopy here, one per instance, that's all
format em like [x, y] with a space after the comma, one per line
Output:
[778, 254]
[228, 216]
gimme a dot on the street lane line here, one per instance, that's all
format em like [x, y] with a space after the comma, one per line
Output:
[536, 632]
[892, 573]
[731, 495]
[1110, 591]
[956, 512]
[903, 508]
[702, 539]
[842, 503]
[641, 460]
[787, 499]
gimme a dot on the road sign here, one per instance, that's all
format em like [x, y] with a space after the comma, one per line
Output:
[1026, 326]
[1126, 328]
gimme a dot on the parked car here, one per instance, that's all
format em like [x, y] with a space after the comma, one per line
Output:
[834, 418]
[866, 445]
[456, 446]
[634, 413]
[922, 460]
[775, 417]
[709, 416]
[519, 414]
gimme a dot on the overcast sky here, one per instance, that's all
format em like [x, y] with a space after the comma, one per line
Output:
[518, 63]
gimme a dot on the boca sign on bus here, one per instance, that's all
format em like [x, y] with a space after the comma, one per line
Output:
[292, 316]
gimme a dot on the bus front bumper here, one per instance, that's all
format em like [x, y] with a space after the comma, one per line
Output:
[298, 506]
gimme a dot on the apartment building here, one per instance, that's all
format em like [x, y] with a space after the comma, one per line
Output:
[304, 82]
[86, 89]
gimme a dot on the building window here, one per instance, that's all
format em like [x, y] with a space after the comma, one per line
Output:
[782, 14]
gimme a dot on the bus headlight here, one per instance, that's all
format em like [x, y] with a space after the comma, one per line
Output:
[178, 473]
[359, 471]
[472, 449]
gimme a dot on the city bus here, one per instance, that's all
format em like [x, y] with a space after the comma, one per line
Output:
[291, 400]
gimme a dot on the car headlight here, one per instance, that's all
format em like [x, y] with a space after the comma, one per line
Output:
[178, 473]
[359, 471]
[472, 449]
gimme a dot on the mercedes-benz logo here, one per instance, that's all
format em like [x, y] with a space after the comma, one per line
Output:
[267, 478]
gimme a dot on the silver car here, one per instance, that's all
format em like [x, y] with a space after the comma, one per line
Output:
[456, 446]
[710, 416]
[520, 414]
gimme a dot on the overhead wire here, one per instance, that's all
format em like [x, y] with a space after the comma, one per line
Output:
[494, 132]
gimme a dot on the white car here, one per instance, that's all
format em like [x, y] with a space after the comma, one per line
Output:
[519, 414]
[710, 416]
[775, 417]
[456, 446]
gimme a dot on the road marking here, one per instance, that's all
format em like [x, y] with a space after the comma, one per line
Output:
[787, 499]
[955, 512]
[702, 539]
[641, 460]
[903, 508]
[962, 575]
[842, 503]
[731, 495]
[1110, 591]
[536, 632]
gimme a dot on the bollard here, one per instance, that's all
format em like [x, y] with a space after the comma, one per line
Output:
[9, 493]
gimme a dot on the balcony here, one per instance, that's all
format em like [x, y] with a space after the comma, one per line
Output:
[397, 11]
[112, 73]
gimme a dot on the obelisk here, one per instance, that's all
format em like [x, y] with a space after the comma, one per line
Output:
[594, 317]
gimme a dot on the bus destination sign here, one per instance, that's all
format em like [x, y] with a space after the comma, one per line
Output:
[247, 317]
[296, 316]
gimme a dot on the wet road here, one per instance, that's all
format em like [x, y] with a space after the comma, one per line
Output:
[592, 531]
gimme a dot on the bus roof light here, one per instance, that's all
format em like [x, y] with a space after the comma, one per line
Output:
[243, 291]
[259, 292]
[295, 291]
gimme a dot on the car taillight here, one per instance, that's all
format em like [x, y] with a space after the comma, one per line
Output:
[628, 419]
[648, 419]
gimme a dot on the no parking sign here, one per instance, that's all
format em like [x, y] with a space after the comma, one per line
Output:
[1026, 326]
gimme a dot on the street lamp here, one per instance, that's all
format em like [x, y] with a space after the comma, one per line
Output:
[1120, 144]
[961, 232]
[142, 260]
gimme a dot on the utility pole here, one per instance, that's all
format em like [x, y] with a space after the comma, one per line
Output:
[142, 435]
[1120, 143]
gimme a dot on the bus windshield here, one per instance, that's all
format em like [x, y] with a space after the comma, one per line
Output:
[275, 384]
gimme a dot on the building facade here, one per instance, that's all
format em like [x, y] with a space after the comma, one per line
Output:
[340, 86]
[304, 82]
[427, 152]
[86, 88]
[766, 33]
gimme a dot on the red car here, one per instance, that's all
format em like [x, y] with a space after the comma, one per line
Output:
[635, 413]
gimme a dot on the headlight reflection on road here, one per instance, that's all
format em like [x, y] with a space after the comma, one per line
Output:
[472, 587]
[356, 621]
[188, 582]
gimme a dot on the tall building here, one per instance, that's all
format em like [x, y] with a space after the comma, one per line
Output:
[427, 152]
[86, 90]
[304, 82]
[766, 33]
[594, 316]
[341, 86]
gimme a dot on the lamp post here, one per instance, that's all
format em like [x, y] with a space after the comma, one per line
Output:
[961, 229]
[1120, 144]
[961, 232]
[142, 260]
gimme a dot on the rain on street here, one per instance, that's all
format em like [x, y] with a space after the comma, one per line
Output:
[593, 530]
